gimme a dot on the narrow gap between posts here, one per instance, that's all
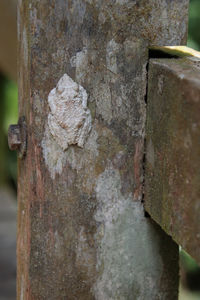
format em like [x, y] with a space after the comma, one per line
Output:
[158, 53]
[144, 153]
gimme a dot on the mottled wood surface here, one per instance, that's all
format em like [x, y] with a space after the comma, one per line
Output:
[82, 233]
[172, 190]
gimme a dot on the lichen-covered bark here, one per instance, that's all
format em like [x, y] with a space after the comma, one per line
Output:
[172, 176]
[82, 233]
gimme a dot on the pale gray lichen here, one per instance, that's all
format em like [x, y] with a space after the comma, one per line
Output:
[69, 119]
[128, 259]
[54, 156]
[111, 56]
[80, 62]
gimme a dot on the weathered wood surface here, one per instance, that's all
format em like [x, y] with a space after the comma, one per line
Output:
[172, 181]
[8, 38]
[82, 233]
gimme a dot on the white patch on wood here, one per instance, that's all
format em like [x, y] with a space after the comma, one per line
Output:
[91, 152]
[69, 123]
[54, 156]
[80, 62]
[128, 259]
[111, 56]
[69, 119]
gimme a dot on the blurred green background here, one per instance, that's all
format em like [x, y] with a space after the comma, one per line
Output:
[194, 25]
[190, 272]
[8, 115]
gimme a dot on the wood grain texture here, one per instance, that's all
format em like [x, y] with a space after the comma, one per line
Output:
[172, 192]
[82, 233]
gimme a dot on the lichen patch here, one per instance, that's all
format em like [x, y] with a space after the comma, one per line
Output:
[128, 262]
[54, 156]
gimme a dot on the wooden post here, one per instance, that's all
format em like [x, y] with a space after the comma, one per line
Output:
[172, 174]
[82, 233]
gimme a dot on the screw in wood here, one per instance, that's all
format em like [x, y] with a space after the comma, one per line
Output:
[17, 137]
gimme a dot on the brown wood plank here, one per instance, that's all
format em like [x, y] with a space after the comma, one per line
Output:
[82, 233]
[172, 180]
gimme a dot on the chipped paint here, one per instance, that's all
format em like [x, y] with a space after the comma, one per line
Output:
[124, 274]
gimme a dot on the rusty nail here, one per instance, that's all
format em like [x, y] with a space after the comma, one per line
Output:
[17, 137]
